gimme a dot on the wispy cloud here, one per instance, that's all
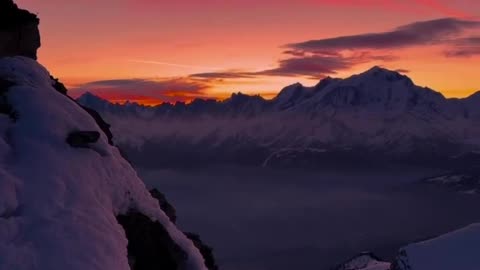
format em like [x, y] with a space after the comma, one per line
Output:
[415, 34]
[160, 63]
[323, 57]
[224, 75]
[465, 47]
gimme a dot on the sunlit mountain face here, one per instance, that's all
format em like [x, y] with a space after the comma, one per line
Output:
[166, 51]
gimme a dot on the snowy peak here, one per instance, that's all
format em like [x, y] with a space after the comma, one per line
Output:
[290, 96]
[377, 90]
[381, 72]
[88, 97]
[379, 78]
[239, 99]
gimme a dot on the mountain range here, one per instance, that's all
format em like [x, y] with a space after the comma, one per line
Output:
[376, 116]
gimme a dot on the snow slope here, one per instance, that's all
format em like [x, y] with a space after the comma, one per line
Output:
[58, 204]
[457, 250]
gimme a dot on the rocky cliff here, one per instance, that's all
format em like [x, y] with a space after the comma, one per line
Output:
[68, 198]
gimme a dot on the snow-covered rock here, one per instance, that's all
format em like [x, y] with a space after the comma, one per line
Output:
[455, 250]
[364, 261]
[291, 96]
[58, 204]
[463, 182]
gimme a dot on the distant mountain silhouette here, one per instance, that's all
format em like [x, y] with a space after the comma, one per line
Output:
[359, 119]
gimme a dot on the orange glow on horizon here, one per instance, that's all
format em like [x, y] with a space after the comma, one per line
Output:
[174, 39]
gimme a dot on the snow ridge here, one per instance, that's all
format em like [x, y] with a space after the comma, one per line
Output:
[57, 203]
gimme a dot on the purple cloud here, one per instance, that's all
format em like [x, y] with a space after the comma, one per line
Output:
[223, 75]
[415, 34]
[465, 47]
[314, 66]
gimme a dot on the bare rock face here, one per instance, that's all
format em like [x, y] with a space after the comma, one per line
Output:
[19, 33]
[205, 250]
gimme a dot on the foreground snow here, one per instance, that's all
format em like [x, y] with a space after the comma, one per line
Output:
[457, 250]
[452, 251]
[58, 204]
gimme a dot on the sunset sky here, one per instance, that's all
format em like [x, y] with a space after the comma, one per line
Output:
[151, 51]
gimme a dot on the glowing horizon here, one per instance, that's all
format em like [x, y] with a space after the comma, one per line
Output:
[155, 51]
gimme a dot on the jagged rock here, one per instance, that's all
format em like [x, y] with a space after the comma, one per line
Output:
[104, 126]
[205, 250]
[82, 139]
[59, 86]
[150, 247]
[5, 106]
[164, 204]
[19, 34]
[401, 261]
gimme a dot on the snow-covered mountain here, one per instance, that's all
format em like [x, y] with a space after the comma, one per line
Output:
[67, 196]
[454, 250]
[372, 114]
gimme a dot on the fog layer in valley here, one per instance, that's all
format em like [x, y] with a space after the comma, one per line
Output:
[292, 219]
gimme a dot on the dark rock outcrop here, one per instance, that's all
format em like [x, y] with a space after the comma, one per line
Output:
[401, 262]
[19, 34]
[82, 139]
[205, 250]
[150, 247]
[5, 106]
[165, 205]
[59, 86]
[104, 126]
